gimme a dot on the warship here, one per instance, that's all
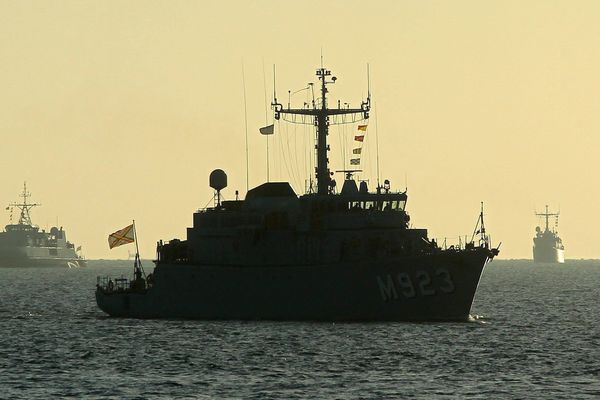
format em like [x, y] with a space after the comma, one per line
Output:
[547, 245]
[25, 245]
[325, 255]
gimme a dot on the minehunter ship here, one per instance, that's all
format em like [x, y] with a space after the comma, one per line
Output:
[325, 255]
[547, 245]
[25, 245]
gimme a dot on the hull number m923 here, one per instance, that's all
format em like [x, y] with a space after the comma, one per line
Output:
[392, 287]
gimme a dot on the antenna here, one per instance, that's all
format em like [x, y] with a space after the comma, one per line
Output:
[25, 218]
[246, 126]
[218, 181]
[483, 239]
[321, 56]
[274, 94]
[368, 82]
[266, 117]
[547, 215]
[377, 144]
[482, 224]
[322, 117]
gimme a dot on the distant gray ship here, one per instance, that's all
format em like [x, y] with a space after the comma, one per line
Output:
[25, 245]
[547, 245]
[326, 255]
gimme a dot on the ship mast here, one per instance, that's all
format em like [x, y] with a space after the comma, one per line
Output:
[547, 215]
[24, 219]
[321, 119]
[484, 239]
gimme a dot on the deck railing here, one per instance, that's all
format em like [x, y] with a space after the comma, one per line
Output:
[109, 284]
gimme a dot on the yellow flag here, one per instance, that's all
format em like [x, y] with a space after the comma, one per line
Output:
[121, 237]
[362, 128]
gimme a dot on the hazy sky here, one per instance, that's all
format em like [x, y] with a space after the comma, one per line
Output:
[114, 110]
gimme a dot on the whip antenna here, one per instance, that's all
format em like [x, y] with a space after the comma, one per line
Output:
[368, 82]
[246, 126]
[266, 117]
[377, 144]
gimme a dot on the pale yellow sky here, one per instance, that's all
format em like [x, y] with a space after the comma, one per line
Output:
[115, 110]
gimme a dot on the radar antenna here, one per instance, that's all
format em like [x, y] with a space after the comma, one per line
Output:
[25, 218]
[349, 172]
[320, 117]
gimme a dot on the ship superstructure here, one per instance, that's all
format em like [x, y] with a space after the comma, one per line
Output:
[328, 255]
[24, 245]
[547, 245]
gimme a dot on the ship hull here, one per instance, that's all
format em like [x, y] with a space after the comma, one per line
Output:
[25, 257]
[550, 255]
[436, 287]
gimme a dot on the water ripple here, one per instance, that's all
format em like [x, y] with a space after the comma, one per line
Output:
[534, 332]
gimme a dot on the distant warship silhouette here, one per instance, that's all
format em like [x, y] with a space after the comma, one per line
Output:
[25, 245]
[547, 245]
[328, 256]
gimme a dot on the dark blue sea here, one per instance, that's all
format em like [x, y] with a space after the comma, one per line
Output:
[536, 334]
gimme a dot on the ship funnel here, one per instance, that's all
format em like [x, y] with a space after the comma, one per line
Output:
[218, 180]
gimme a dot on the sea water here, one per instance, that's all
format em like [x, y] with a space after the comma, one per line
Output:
[535, 334]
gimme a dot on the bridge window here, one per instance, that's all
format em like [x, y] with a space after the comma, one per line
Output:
[399, 205]
[394, 205]
[354, 205]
